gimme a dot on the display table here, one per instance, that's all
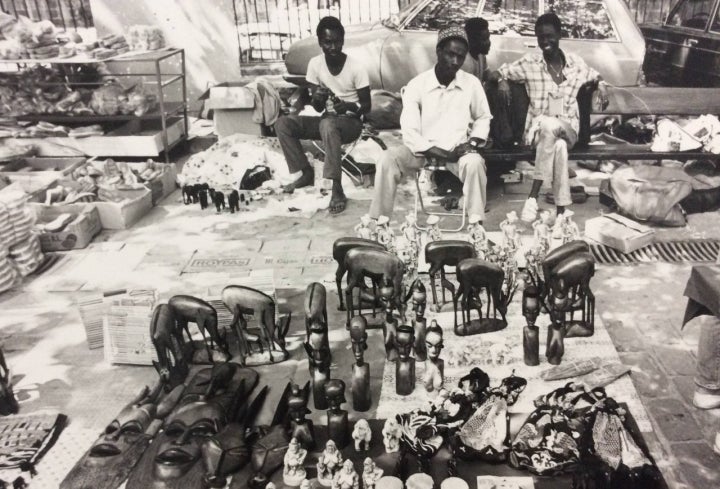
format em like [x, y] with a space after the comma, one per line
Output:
[703, 292]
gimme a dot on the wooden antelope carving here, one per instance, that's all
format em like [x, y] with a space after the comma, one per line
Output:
[441, 253]
[241, 300]
[474, 275]
[187, 309]
[377, 265]
[569, 290]
[167, 338]
[340, 250]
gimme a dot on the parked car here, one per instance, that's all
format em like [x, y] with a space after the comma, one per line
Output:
[396, 49]
[684, 50]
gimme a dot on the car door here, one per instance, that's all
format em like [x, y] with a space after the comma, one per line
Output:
[681, 51]
[602, 32]
[411, 49]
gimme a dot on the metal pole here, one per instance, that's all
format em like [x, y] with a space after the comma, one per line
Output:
[72, 16]
[269, 37]
[161, 99]
[60, 9]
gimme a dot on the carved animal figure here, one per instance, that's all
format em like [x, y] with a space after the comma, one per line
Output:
[569, 286]
[340, 250]
[189, 193]
[234, 201]
[473, 275]
[167, 338]
[553, 258]
[201, 189]
[446, 252]
[376, 265]
[218, 199]
[187, 309]
[245, 300]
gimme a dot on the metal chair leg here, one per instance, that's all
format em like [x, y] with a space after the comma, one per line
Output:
[421, 204]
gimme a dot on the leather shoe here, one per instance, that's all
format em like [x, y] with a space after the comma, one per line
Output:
[704, 400]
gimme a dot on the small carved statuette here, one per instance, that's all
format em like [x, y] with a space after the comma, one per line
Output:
[293, 471]
[391, 435]
[362, 435]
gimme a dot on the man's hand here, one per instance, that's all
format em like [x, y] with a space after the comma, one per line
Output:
[441, 155]
[345, 107]
[319, 98]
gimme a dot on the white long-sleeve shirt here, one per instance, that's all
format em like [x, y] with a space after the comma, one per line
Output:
[436, 115]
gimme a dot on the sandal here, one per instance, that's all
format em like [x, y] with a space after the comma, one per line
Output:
[337, 206]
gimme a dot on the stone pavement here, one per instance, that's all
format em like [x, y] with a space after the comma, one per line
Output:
[641, 306]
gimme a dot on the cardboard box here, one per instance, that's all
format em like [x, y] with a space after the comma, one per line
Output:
[164, 184]
[123, 214]
[232, 105]
[34, 165]
[619, 232]
[76, 235]
[36, 184]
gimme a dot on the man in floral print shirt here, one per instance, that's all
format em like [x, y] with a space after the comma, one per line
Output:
[552, 79]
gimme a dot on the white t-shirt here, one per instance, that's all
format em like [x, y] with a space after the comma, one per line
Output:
[346, 84]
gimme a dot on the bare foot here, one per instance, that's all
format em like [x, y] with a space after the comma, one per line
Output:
[305, 180]
[338, 201]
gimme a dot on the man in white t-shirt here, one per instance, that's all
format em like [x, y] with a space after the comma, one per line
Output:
[445, 121]
[341, 92]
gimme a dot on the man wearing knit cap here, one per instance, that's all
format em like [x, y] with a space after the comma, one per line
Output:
[445, 121]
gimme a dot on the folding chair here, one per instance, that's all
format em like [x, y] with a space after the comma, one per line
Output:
[354, 170]
[420, 204]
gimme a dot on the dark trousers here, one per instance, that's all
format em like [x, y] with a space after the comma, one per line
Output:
[333, 131]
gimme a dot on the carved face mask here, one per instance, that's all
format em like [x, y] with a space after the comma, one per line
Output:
[121, 433]
[434, 344]
[186, 430]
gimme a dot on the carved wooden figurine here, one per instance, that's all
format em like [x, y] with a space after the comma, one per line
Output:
[475, 275]
[8, 403]
[340, 250]
[511, 238]
[434, 233]
[360, 386]
[337, 418]
[234, 201]
[329, 462]
[478, 237]
[439, 254]
[189, 194]
[435, 366]
[167, 338]
[379, 266]
[187, 309]
[315, 309]
[112, 456]
[531, 333]
[385, 235]
[269, 342]
[301, 429]
[202, 193]
[218, 199]
[362, 435]
[412, 237]
[370, 474]
[390, 324]
[293, 470]
[405, 364]
[570, 230]
[419, 303]
[319, 360]
[392, 432]
[366, 228]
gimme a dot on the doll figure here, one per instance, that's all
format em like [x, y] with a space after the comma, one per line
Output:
[370, 474]
[362, 435]
[541, 231]
[293, 471]
[478, 238]
[329, 463]
[511, 238]
[435, 366]
[570, 231]
[366, 228]
[346, 477]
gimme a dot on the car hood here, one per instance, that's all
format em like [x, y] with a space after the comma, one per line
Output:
[356, 37]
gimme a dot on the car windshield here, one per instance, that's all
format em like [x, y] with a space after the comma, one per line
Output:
[396, 20]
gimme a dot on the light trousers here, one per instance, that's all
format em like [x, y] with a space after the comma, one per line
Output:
[398, 162]
[553, 139]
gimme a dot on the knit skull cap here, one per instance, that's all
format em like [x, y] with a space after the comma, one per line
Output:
[452, 32]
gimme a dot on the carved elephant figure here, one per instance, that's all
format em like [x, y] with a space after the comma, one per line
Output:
[234, 201]
[242, 300]
[376, 264]
[439, 254]
[473, 275]
[187, 309]
[167, 338]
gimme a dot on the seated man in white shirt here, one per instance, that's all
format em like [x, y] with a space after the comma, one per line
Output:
[439, 106]
[341, 92]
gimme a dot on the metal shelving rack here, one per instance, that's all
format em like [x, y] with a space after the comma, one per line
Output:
[165, 111]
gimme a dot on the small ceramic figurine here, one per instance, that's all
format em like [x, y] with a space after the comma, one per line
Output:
[362, 435]
[478, 238]
[329, 462]
[435, 366]
[337, 418]
[542, 232]
[385, 235]
[346, 477]
[305, 484]
[391, 435]
[419, 481]
[366, 228]
[434, 232]
[389, 482]
[371, 473]
[405, 363]
[570, 231]
[511, 238]
[411, 235]
[293, 471]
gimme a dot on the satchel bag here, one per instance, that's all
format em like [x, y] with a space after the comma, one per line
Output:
[651, 194]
